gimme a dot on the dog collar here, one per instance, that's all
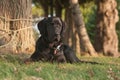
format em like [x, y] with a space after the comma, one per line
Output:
[57, 48]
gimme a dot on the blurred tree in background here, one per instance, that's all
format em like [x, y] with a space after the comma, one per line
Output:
[80, 28]
[106, 39]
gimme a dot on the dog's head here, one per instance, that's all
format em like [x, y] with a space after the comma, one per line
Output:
[52, 28]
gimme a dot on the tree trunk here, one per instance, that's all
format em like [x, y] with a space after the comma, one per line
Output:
[80, 27]
[16, 22]
[51, 8]
[71, 34]
[106, 37]
[58, 8]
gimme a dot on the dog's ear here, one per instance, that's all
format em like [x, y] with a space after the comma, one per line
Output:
[42, 26]
[63, 28]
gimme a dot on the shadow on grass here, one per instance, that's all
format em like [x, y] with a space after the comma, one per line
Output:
[14, 58]
[20, 58]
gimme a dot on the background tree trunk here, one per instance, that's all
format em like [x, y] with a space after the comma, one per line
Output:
[80, 27]
[71, 34]
[106, 40]
[16, 22]
[58, 8]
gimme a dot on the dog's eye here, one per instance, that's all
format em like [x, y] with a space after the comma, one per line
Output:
[59, 24]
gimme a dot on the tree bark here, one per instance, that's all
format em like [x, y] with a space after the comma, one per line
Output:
[58, 8]
[16, 21]
[71, 34]
[80, 27]
[106, 40]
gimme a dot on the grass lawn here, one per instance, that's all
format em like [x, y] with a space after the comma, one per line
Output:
[13, 68]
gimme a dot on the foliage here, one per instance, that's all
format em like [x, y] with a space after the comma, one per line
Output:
[88, 10]
[37, 11]
[13, 68]
[118, 24]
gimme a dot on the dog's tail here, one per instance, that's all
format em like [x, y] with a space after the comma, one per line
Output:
[89, 62]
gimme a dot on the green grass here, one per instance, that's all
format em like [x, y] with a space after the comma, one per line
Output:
[13, 68]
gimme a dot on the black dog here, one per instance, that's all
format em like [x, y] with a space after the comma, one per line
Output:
[49, 46]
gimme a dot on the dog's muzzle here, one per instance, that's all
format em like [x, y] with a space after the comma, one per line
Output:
[57, 38]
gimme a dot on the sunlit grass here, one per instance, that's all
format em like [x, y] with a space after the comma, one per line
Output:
[13, 68]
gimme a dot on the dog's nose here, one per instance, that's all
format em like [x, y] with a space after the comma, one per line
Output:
[57, 37]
